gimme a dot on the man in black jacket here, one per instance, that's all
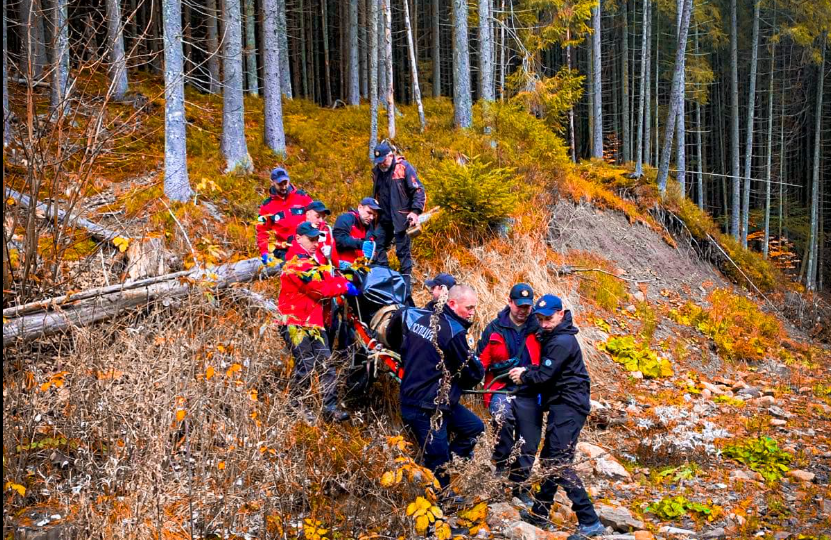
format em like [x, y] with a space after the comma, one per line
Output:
[438, 365]
[401, 196]
[563, 382]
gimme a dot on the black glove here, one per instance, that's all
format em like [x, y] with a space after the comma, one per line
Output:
[502, 368]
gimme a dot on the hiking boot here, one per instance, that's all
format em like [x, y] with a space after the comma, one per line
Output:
[536, 520]
[588, 531]
[335, 414]
[524, 496]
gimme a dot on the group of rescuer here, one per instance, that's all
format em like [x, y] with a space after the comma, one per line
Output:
[528, 355]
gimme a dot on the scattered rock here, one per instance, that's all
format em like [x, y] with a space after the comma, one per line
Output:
[826, 506]
[631, 309]
[779, 412]
[619, 518]
[749, 392]
[782, 535]
[644, 535]
[802, 476]
[676, 530]
[716, 533]
[519, 530]
[778, 423]
[501, 513]
[604, 463]
[715, 389]
[639, 296]
[764, 401]
[636, 375]
[706, 394]
[740, 475]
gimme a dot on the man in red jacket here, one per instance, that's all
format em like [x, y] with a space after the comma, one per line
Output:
[280, 214]
[355, 230]
[509, 341]
[304, 287]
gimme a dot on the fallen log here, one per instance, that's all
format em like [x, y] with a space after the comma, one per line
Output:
[75, 312]
[52, 211]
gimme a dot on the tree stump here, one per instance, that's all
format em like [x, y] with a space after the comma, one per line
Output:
[146, 257]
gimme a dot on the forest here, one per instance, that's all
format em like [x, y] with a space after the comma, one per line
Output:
[661, 166]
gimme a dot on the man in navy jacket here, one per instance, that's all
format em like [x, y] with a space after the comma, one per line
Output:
[564, 385]
[438, 365]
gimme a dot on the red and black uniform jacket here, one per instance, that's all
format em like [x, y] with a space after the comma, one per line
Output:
[500, 349]
[326, 239]
[305, 284]
[350, 234]
[399, 192]
[281, 215]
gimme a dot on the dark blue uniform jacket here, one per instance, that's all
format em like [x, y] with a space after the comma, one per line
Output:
[422, 372]
[399, 192]
[561, 377]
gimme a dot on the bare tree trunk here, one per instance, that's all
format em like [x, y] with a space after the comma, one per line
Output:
[769, 162]
[373, 76]
[354, 83]
[751, 104]
[33, 39]
[597, 140]
[233, 145]
[643, 115]
[176, 183]
[462, 106]
[304, 76]
[503, 67]
[676, 96]
[647, 140]
[327, 75]
[283, 43]
[811, 277]
[390, 95]
[698, 141]
[413, 66]
[680, 122]
[6, 133]
[382, 57]
[251, 48]
[363, 49]
[571, 135]
[59, 103]
[274, 135]
[214, 76]
[436, 36]
[627, 128]
[485, 51]
[118, 63]
[735, 210]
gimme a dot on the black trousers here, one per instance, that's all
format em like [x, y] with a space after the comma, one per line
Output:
[384, 236]
[516, 416]
[311, 354]
[561, 434]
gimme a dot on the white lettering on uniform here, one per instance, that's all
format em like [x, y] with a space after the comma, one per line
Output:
[423, 331]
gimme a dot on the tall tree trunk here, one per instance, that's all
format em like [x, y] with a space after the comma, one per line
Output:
[811, 277]
[304, 59]
[373, 76]
[680, 122]
[354, 68]
[115, 36]
[274, 135]
[176, 184]
[251, 48]
[647, 133]
[363, 48]
[33, 38]
[571, 134]
[698, 140]
[627, 128]
[769, 157]
[388, 64]
[214, 75]
[413, 66]
[462, 106]
[751, 104]
[382, 56]
[781, 157]
[155, 22]
[59, 103]
[675, 98]
[283, 44]
[187, 41]
[503, 66]
[436, 36]
[597, 90]
[485, 51]
[327, 76]
[643, 115]
[6, 133]
[735, 210]
[233, 145]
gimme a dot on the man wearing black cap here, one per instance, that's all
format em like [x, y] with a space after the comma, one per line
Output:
[563, 382]
[316, 213]
[508, 342]
[305, 287]
[280, 214]
[401, 196]
[354, 231]
[442, 282]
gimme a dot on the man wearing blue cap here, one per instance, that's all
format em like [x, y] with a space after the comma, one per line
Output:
[354, 231]
[563, 382]
[399, 192]
[280, 214]
[442, 282]
[509, 341]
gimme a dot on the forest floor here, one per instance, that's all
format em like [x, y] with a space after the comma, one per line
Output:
[712, 411]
